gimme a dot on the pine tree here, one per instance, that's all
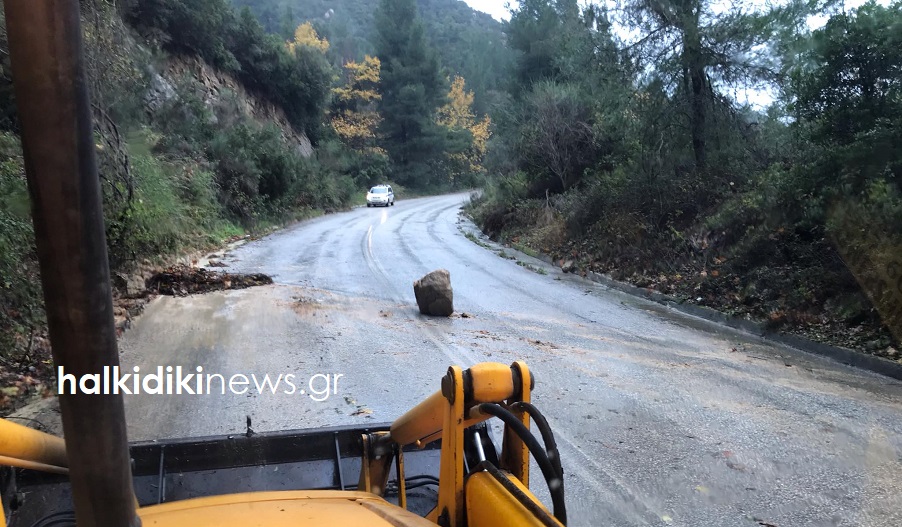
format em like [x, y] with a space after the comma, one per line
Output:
[288, 22]
[412, 89]
[696, 45]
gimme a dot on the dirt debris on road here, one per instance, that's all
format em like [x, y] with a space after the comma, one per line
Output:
[182, 280]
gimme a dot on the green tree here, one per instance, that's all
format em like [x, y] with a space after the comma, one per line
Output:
[534, 30]
[568, 92]
[299, 82]
[289, 23]
[412, 89]
[697, 49]
[196, 26]
[846, 97]
[847, 93]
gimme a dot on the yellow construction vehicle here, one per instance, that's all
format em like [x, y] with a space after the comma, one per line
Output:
[329, 477]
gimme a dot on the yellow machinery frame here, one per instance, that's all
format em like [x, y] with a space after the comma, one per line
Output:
[484, 496]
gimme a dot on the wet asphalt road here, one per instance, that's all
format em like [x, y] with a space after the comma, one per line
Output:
[662, 419]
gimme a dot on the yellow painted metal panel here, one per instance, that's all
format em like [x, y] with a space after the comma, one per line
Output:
[282, 509]
[492, 382]
[489, 504]
[422, 420]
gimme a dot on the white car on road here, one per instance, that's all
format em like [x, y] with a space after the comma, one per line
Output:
[380, 195]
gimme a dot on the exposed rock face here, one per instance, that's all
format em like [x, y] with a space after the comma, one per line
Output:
[159, 92]
[223, 94]
[434, 294]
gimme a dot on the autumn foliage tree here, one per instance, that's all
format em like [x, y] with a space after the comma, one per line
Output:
[354, 115]
[355, 120]
[457, 116]
[305, 35]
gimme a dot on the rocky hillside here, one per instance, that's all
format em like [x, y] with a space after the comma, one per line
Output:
[218, 90]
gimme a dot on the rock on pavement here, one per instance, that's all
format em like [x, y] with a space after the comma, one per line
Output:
[434, 295]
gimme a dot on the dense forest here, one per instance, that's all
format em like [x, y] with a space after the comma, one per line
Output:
[614, 138]
[633, 156]
[468, 43]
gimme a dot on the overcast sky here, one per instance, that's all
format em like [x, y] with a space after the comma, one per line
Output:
[497, 8]
[757, 97]
[493, 7]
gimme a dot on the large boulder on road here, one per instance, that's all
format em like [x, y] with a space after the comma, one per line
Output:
[434, 295]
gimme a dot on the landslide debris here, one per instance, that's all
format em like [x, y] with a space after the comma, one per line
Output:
[182, 280]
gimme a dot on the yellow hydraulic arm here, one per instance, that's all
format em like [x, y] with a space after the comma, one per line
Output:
[485, 495]
[25, 447]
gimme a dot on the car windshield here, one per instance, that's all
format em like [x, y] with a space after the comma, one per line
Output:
[683, 216]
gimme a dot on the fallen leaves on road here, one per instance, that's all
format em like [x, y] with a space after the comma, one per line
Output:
[736, 466]
[540, 344]
[183, 280]
[483, 334]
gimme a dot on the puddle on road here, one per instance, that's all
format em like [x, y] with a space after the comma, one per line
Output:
[312, 302]
[308, 306]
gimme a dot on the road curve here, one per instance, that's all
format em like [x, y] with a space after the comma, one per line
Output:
[662, 419]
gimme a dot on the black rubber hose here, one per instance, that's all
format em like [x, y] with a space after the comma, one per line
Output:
[57, 519]
[422, 476]
[552, 479]
[419, 484]
[547, 435]
[412, 482]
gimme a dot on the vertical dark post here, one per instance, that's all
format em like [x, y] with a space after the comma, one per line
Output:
[57, 138]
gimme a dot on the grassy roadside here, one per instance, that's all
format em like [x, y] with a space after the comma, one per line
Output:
[176, 213]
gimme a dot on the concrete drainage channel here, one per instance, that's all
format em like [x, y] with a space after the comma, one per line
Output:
[843, 355]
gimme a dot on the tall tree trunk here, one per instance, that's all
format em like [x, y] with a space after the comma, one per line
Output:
[694, 68]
